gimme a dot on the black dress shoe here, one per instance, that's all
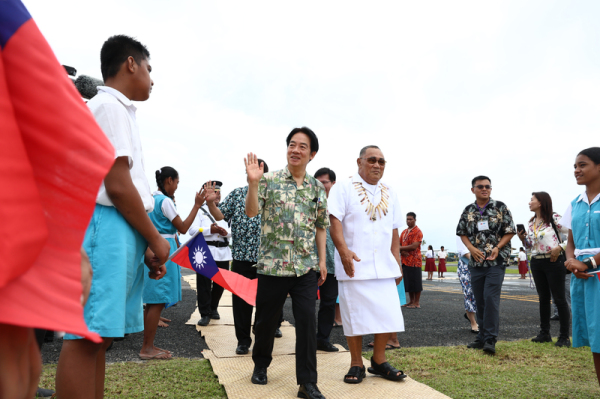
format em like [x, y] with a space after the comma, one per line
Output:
[204, 320]
[490, 347]
[215, 315]
[310, 391]
[278, 333]
[259, 376]
[241, 349]
[542, 337]
[477, 344]
[44, 393]
[326, 346]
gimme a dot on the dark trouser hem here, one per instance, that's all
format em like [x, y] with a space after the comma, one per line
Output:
[271, 295]
[217, 290]
[328, 292]
[549, 280]
[242, 311]
[486, 283]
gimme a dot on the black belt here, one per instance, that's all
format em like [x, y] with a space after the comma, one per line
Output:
[218, 244]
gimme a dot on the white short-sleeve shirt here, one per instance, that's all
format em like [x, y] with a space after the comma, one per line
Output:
[522, 256]
[442, 254]
[220, 254]
[115, 114]
[369, 240]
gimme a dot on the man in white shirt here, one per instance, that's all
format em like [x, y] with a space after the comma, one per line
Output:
[216, 234]
[365, 217]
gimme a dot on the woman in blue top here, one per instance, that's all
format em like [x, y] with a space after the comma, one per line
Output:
[157, 293]
[583, 253]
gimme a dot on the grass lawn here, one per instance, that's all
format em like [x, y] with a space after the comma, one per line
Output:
[520, 369]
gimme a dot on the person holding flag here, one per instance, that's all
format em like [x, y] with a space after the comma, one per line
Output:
[158, 293]
[293, 209]
[54, 157]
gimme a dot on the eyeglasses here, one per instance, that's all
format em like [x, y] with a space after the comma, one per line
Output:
[481, 186]
[374, 160]
[325, 181]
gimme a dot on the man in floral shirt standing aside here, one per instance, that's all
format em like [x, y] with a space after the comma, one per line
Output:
[486, 228]
[293, 206]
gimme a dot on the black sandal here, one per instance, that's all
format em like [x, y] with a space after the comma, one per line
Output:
[355, 371]
[386, 370]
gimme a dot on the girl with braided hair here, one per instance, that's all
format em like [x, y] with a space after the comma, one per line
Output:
[157, 293]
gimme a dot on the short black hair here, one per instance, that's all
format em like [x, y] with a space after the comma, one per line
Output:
[592, 153]
[414, 215]
[478, 178]
[363, 150]
[314, 141]
[325, 171]
[266, 167]
[115, 52]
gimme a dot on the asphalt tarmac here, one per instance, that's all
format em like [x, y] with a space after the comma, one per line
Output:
[439, 322]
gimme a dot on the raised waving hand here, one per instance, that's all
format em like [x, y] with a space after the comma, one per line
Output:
[254, 171]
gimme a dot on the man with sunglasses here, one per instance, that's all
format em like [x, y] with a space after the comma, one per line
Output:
[365, 217]
[486, 228]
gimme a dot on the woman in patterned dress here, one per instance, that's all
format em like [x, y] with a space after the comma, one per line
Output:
[465, 281]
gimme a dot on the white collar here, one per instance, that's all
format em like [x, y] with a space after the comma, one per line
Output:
[583, 197]
[119, 96]
[357, 179]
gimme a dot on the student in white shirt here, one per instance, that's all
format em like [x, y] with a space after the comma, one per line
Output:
[120, 231]
[430, 262]
[441, 262]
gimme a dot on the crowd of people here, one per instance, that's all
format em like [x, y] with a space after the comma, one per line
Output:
[293, 233]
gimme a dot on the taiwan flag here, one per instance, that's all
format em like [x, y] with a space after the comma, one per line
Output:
[196, 255]
[53, 158]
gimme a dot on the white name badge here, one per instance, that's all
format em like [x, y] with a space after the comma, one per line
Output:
[482, 225]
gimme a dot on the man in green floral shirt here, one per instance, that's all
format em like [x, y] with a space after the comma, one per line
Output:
[486, 228]
[293, 207]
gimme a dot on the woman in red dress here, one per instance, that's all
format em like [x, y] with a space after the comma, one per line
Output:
[430, 263]
[523, 264]
[441, 262]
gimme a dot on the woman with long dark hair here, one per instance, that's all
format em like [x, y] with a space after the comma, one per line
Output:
[547, 265]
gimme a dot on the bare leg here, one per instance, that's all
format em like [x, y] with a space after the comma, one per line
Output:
[597, 365]
[471, 316]
[77, 374]
[101, 368]
[20, 362]
[411, 299]
[355, 347]
[338, 315]
[379, 350]
[393, 340]
[151, 317]
[417, 299]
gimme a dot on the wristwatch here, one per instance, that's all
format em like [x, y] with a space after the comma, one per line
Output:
[590, 262]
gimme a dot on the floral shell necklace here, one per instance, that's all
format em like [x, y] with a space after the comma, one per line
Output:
[371, 209]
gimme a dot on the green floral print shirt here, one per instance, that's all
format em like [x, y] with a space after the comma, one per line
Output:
[289, 219]
[499, 222]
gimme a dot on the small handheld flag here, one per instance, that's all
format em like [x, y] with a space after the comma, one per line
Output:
[196, 255]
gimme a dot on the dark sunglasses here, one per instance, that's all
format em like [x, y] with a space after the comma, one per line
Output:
[374, 160]
[481, 186]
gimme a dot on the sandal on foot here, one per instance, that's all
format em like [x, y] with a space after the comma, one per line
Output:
[357, 372]
[386, 370]
[371, 345]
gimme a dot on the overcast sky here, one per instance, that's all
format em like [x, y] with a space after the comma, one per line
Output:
[448, 90]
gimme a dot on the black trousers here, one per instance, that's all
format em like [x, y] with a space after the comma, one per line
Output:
[242, 312]
[329, 293]
[486, 283]
[549, 280]
[270, 298]
[209, 294]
